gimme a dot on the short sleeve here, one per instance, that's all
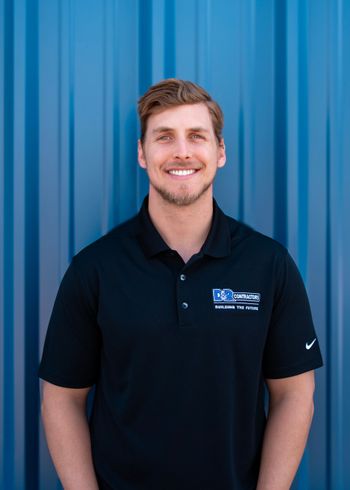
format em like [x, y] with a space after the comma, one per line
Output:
[71, 354]
[292, 346]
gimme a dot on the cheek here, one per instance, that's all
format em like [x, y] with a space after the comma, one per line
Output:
[157, 157]
[212, 160]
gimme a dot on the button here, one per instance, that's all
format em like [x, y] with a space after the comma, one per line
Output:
[184, 305]
[183, 277]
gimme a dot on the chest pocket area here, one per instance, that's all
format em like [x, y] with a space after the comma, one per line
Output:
[233, 312]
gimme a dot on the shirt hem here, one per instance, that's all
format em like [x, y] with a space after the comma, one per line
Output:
[56, 380]
[287, 372]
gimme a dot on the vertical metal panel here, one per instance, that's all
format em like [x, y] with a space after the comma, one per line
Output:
[339, 376]
[20, 353]
[7, 381]
[2, 241]
[70, 74]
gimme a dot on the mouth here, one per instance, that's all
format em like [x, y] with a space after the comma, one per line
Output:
[182, 172]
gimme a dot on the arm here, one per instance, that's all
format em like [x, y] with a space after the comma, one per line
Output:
[289, 419]
[68, 436]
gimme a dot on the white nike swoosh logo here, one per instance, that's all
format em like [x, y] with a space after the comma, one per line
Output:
[308, 346]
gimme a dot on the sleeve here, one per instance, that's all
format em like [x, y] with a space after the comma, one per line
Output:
[292, 346]
[71, 355]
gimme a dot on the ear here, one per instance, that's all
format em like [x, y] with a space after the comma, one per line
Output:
[141, 155]
[221, 153]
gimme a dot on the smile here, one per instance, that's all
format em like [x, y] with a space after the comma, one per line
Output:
[182, 172]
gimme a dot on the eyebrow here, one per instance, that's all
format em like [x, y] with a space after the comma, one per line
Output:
[164, 129]
[161, 129]
[199, 129]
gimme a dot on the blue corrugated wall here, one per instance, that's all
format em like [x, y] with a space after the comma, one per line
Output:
[70, 74]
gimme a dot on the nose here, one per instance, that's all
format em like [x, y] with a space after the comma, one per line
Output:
[182, 150]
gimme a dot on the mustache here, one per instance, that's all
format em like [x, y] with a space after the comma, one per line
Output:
[183, 165]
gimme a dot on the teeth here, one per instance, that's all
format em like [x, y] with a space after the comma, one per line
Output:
[181, 172]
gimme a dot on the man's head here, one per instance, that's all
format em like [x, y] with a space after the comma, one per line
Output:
[173, 92]
[181, 146]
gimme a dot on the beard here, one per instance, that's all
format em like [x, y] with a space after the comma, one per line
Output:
[181, 198]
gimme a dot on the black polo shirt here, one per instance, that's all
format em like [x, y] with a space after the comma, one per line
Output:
[179, 352]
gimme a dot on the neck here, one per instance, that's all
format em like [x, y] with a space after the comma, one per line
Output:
[183, 228]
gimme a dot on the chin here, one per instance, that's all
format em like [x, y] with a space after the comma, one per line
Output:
[181, 198]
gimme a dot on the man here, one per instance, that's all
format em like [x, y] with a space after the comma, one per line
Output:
[180, 317]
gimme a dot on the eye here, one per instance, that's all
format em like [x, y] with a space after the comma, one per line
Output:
[196, 136]
[164, 137]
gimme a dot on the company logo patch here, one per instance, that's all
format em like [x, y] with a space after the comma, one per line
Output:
[227, 299]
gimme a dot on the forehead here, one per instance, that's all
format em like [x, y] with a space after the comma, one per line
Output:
[181, 117]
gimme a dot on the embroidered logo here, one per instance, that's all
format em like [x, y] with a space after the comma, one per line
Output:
[227, 299]
[308, 346]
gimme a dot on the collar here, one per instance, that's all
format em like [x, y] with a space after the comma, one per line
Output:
[217, 243]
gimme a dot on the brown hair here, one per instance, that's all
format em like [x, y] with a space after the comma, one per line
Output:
[173, 92]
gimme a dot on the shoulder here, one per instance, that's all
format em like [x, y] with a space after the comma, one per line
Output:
[102, 251]
[258, 253]
[254, 243]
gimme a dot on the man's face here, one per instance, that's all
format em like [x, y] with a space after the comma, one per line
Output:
[181, 153]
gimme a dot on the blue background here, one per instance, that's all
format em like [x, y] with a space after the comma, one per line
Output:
[70, 75]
